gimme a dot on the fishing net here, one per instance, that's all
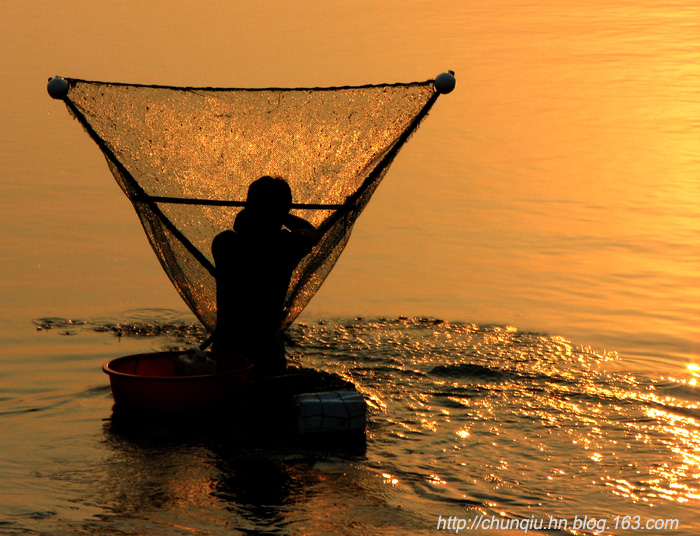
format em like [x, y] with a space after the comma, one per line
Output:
[186, 156]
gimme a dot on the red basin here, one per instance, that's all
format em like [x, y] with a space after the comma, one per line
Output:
[148, 382]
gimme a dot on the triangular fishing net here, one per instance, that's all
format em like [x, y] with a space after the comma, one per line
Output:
[186, 156]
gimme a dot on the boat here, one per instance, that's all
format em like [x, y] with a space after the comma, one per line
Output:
[300, 401]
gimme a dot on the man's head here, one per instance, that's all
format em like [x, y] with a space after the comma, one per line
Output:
[268, 203]
[269, 195]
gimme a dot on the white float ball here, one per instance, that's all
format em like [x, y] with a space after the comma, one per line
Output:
[445, 82]
[58, 87]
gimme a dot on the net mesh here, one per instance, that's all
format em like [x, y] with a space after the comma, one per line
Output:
[186, 156]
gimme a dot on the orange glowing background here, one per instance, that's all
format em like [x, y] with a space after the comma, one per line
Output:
[557, 189]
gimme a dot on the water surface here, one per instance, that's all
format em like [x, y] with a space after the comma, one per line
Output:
[464, 420]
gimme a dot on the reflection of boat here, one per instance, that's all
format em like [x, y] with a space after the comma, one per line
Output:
[302, 401]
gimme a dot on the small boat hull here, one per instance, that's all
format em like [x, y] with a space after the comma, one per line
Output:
[300, 402]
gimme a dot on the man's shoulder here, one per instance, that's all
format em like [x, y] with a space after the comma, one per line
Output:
[225, 236]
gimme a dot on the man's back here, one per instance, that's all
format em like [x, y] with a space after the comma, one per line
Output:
[253, 274]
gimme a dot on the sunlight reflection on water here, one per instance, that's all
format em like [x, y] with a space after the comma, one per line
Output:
[464, 419]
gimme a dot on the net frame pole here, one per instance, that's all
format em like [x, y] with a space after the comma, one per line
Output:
[141, 196]
[378, 169]
[383, 163]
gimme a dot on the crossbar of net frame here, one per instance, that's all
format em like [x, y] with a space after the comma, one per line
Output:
[226, 203]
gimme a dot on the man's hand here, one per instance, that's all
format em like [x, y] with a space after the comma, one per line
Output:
[299, 225]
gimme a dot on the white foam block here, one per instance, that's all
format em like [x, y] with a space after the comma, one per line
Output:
[330, 412]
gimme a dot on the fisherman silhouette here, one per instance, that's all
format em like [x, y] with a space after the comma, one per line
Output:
[254, 265]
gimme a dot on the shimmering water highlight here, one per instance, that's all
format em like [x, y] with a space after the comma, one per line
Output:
[464, 420]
